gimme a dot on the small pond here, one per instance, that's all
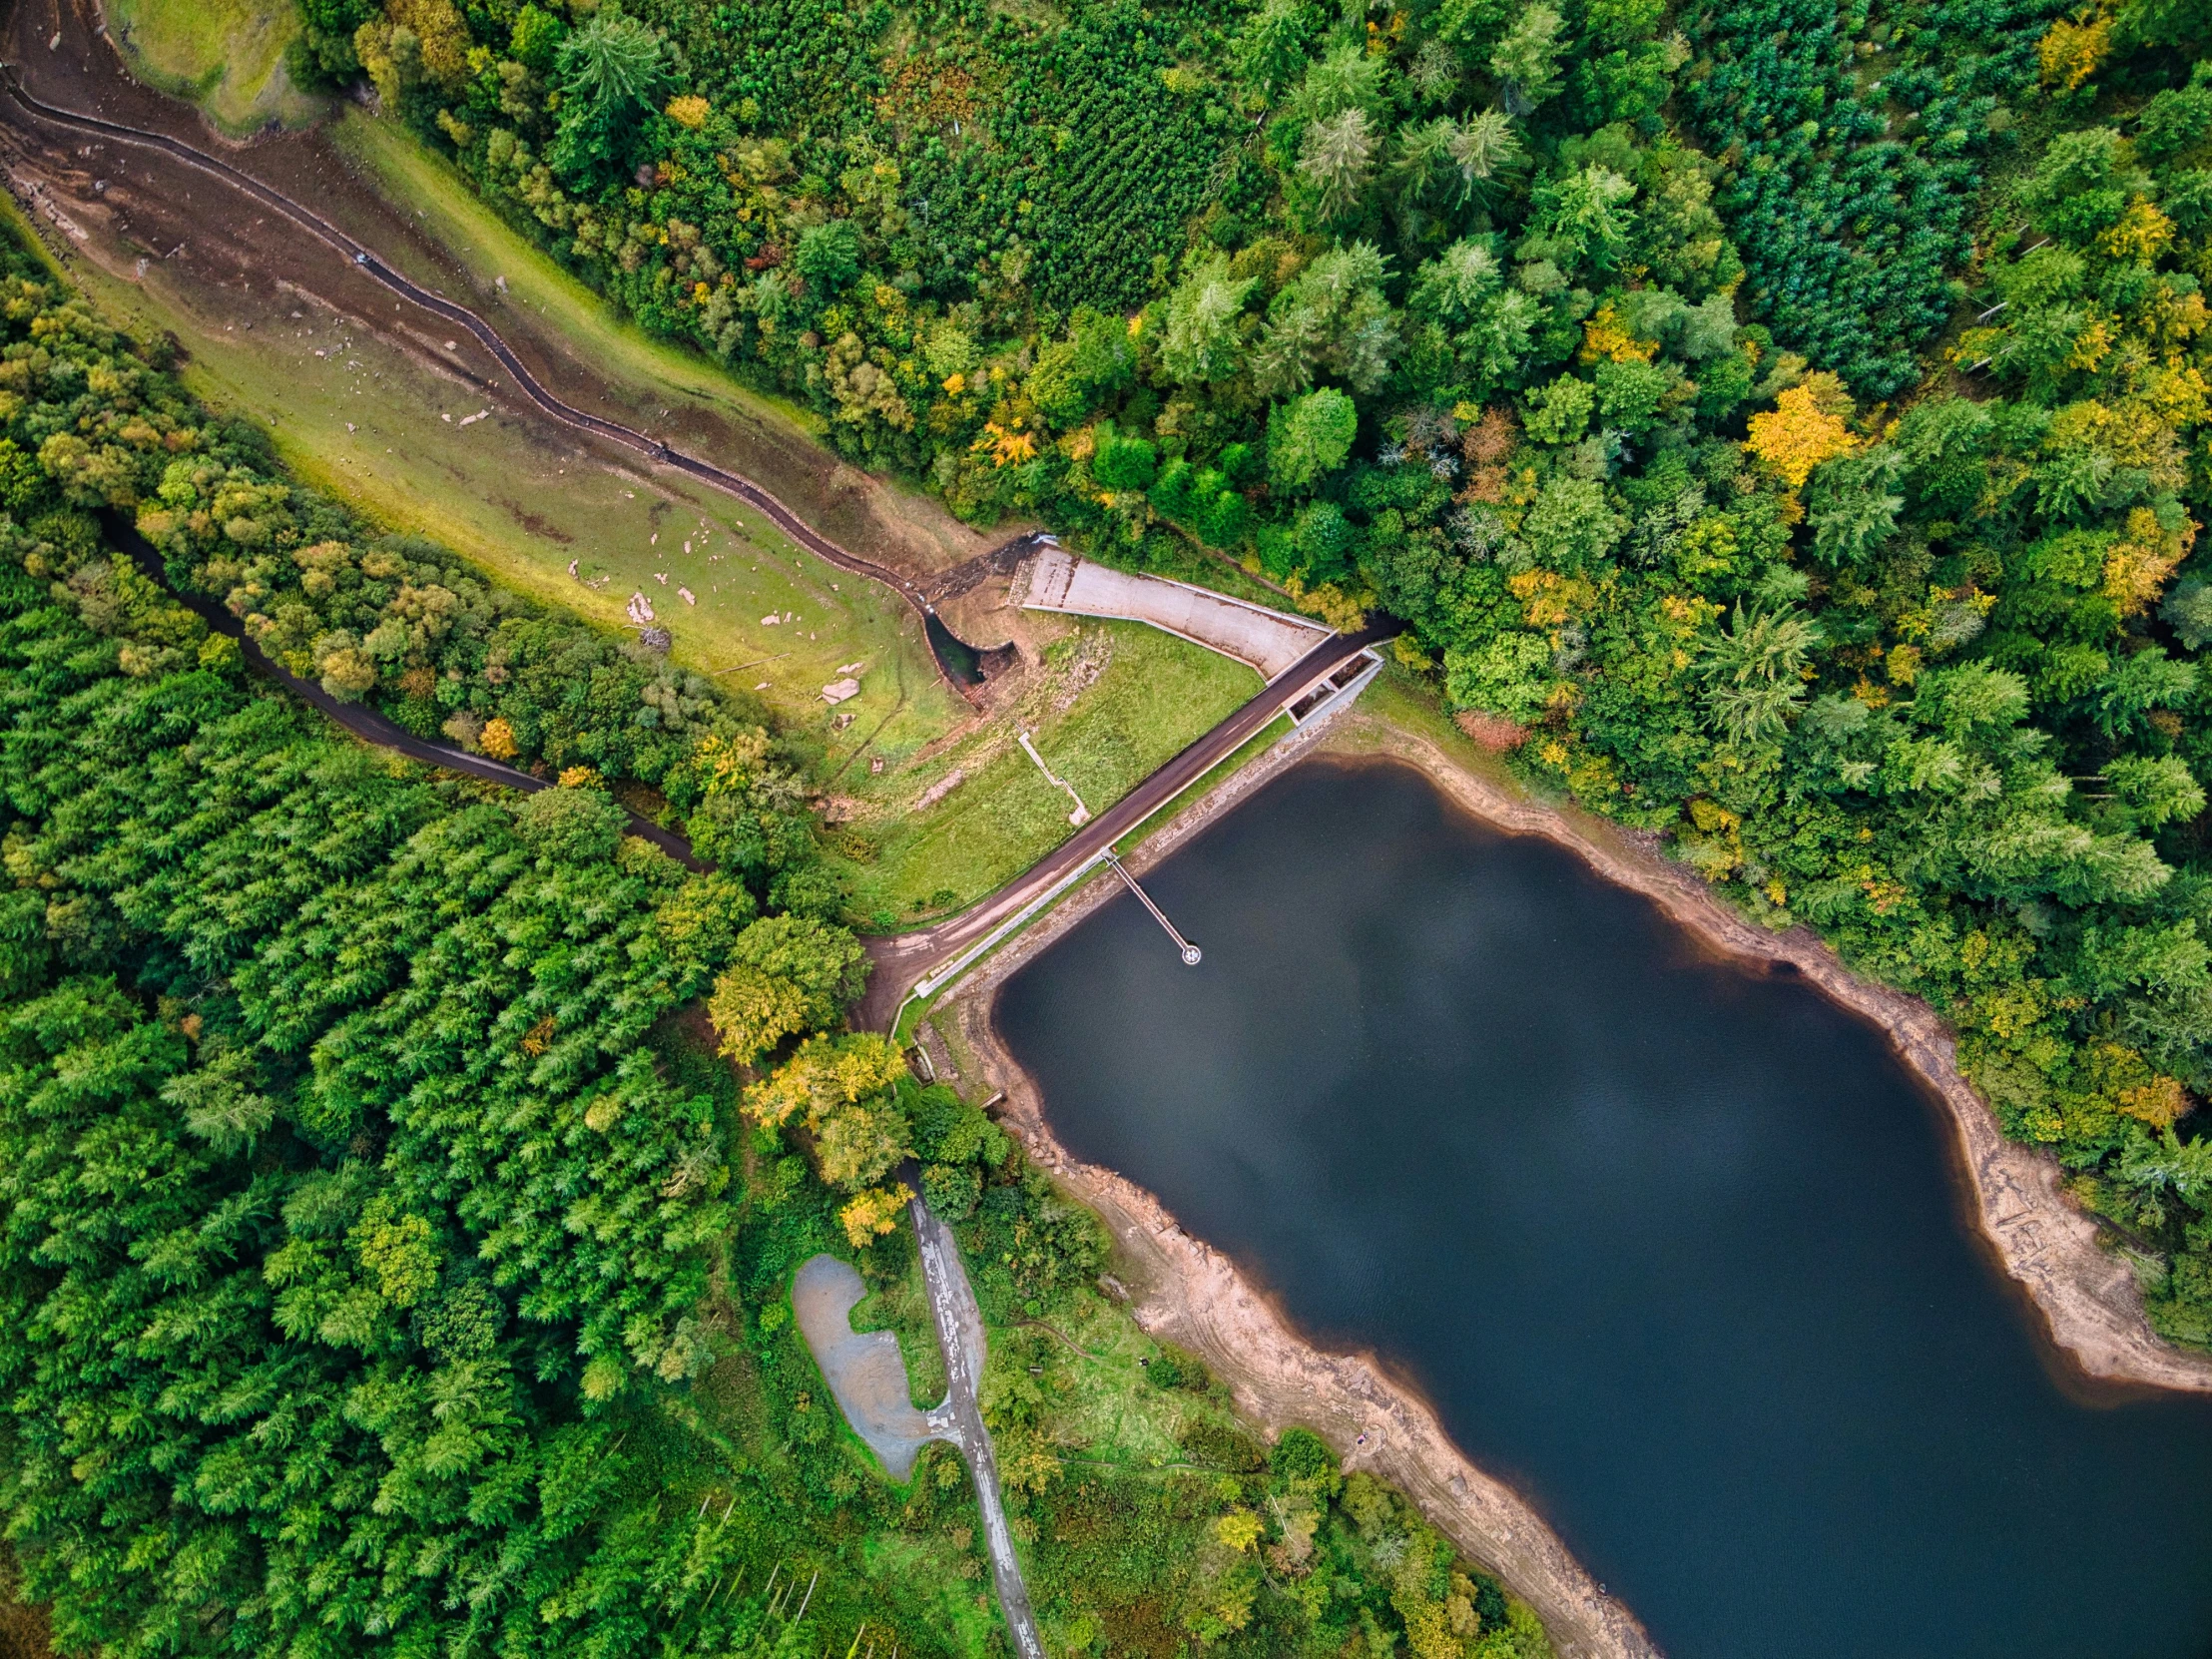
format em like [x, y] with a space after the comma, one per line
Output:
[961, 662]
[1673, 1245]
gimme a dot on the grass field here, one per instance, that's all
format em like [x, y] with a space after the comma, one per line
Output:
[1117, 700]
[356, 413]
[226, 55]
[457, 219]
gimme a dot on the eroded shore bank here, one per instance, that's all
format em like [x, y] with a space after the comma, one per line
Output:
[2090, 1304]
[1190, 1293]
[1187, 1293]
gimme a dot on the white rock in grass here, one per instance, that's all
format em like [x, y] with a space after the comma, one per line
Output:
[838, 690]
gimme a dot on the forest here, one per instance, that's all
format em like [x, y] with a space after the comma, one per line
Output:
[390, 1253]
[1780, 426]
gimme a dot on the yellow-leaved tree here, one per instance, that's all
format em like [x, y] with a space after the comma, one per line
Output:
[787, 976]
[1809, 424]
[843, 1090]
[874, 1213]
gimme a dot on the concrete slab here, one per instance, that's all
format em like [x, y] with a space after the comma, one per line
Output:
[1270, 641]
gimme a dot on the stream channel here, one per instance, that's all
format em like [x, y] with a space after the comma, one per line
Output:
[1675, 1246]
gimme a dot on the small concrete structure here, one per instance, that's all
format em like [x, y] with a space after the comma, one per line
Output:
[864, 1370]
[1270, 641]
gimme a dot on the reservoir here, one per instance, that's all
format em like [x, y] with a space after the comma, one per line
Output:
[1672, 1246]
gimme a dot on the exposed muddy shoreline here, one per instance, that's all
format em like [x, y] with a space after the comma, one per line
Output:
[1188, 1293]
[2084, 1297]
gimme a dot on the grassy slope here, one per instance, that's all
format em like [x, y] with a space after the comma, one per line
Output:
[1157, 694]
[516, 501]
[356, 413]
[227, 56]
[838, 620]
[457, 219]
[1154, 695]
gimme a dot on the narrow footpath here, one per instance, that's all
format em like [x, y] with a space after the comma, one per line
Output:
[363, 722]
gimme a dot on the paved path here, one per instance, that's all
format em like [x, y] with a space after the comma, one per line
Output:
[902, 961]
[365, 259]
[960, 1331]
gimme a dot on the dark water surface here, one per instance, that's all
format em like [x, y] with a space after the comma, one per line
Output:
[1672, 1246]
[954, 655]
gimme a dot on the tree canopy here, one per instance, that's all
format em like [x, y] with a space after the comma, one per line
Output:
[1728, 401]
